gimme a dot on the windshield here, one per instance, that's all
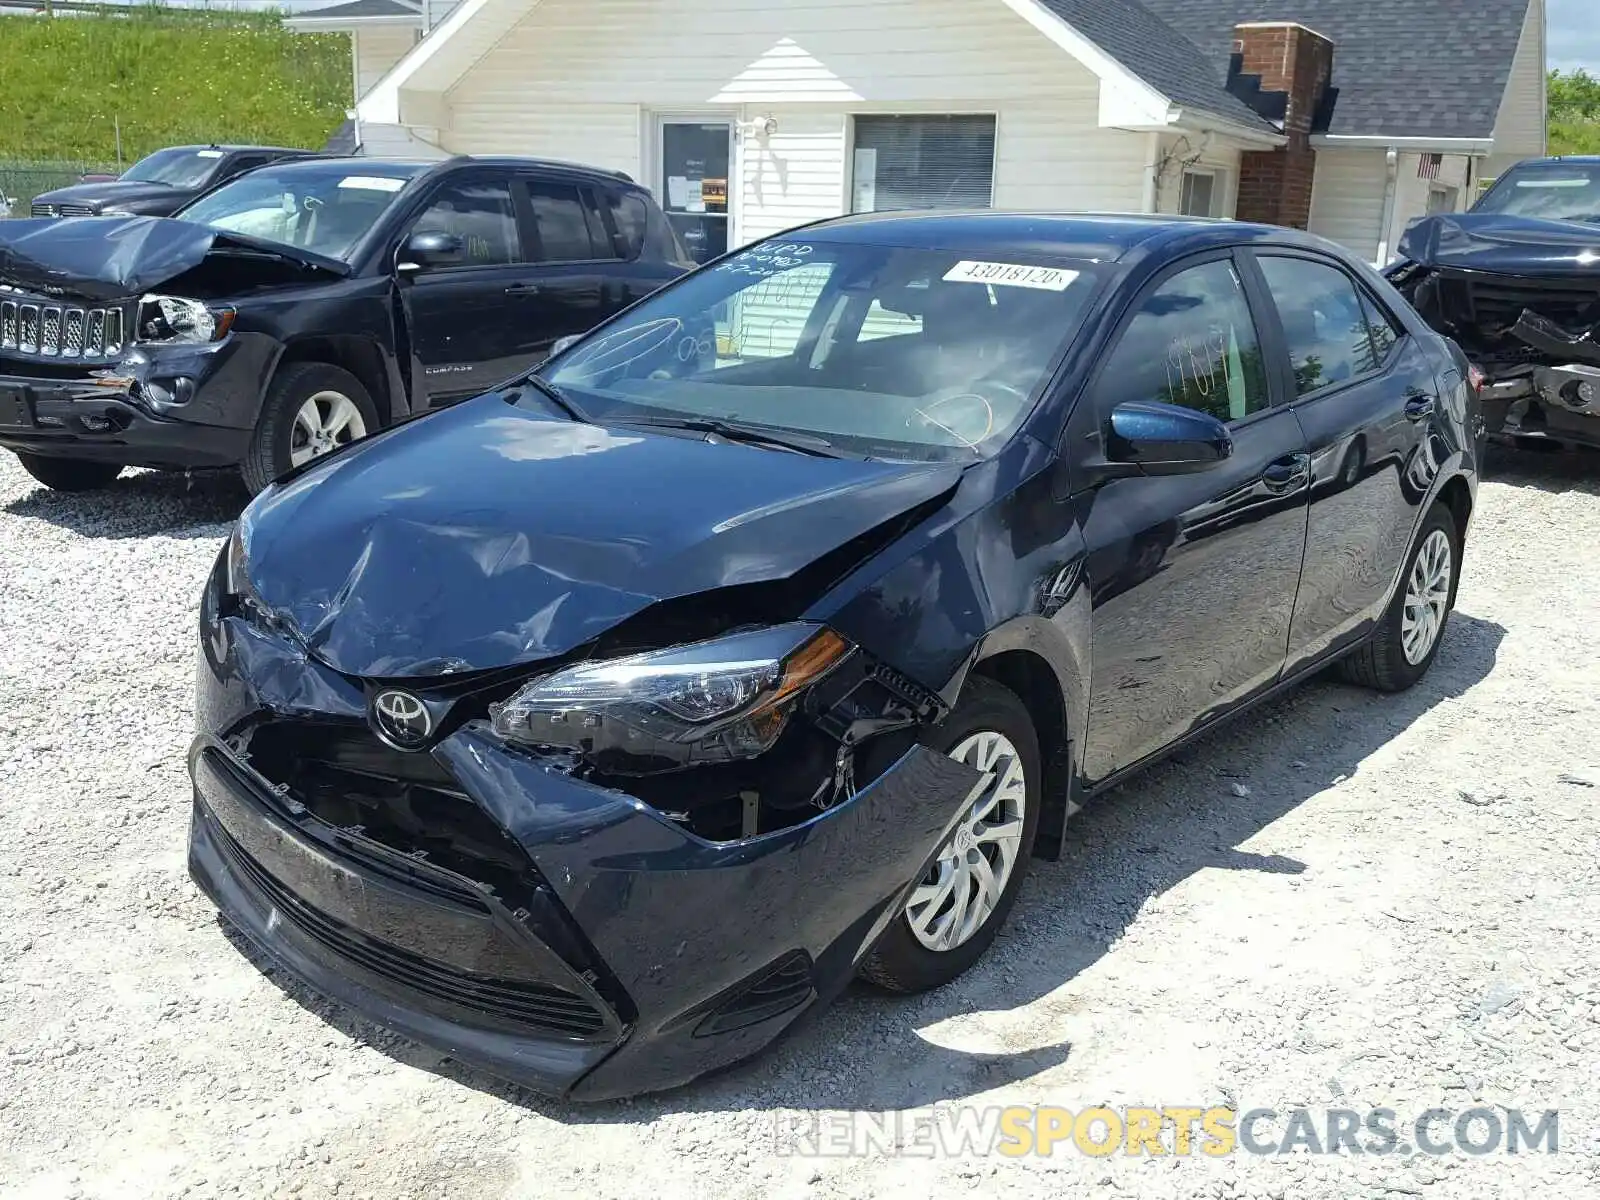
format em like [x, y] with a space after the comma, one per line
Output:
[886, 352]
[326, 208]
[1552, 191]
[176, 168]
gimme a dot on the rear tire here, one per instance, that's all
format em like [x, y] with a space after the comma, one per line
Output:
[1407, 639]
[987, 716]
[69, 474]
[303, 405]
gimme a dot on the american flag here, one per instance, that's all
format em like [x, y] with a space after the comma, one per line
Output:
[1428, 166]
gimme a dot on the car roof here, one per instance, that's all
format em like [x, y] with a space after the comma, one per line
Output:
[1091, 237]
[419, 165]
[1556, 159]
[232, 148]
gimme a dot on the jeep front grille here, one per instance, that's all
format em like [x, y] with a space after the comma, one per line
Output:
[51, 329]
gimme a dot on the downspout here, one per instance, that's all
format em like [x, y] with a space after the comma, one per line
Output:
[1152, 182]
[355, 86]
[1391, 181]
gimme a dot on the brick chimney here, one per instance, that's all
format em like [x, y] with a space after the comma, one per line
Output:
[1296, 64]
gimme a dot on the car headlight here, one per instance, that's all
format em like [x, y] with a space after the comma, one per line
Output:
[164, 320]
[116, 212]
[712, 701]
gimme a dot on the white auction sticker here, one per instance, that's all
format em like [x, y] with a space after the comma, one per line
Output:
[1049, 279]
[372, 183]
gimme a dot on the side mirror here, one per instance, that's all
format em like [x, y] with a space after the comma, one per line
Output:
[1166, 439]
[434, 249]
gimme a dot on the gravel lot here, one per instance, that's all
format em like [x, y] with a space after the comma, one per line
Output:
[1401, 910]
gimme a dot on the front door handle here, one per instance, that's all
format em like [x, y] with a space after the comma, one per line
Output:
[1287, 474]
[1419, 406]
[523, 289]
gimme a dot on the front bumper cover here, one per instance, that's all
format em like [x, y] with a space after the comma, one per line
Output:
[686, 935]
[164, 406]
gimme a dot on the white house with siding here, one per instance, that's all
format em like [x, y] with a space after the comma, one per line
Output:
[747, 117]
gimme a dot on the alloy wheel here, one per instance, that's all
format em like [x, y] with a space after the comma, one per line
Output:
[326, 421]
[966, 881]
[1427, 597]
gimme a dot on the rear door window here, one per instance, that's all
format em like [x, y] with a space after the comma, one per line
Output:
[567, 228]
[1325, 324]
[631, 216]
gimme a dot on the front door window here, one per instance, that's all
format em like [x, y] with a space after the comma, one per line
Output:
[695, 157]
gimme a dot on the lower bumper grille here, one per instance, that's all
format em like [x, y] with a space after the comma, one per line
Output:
[537, 1006]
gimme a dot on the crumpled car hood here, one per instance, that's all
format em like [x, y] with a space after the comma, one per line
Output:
[487, 536]
[112, 258]
[1503, 245]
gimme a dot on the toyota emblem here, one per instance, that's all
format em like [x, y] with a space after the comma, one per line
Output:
[401, 719]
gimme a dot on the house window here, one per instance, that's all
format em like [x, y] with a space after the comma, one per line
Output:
[1442, 199]
[1199, 195]
[923, 162]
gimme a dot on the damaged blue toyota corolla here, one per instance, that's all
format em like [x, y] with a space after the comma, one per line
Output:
[599, 728]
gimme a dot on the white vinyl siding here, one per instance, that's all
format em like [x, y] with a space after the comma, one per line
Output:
[585, 80]
[1519, 129]
[793, 176]
[376, 50]
[1347, 198]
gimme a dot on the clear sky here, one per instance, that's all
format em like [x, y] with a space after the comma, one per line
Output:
[1575, 35]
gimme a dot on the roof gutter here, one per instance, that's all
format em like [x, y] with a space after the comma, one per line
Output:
[1193, 120]
[1429, 145]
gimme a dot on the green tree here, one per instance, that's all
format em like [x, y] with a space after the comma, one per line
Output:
[1574, 112]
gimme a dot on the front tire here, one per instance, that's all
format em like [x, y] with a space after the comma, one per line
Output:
[69, 474]
[956, 909]
[310, 410]
[1404, 645]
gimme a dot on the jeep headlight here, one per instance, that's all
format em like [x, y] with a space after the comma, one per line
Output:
[164, 320]
[713, 701]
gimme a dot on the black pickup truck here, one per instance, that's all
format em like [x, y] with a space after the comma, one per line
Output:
[304, 305]
[1516, 281]
[160, 183]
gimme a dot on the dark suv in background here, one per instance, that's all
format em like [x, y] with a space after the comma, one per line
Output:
[305, 305]
[160, 183]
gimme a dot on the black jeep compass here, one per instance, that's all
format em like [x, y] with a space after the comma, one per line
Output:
[302, 306]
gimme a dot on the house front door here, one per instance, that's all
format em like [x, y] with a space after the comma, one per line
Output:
[696, 157]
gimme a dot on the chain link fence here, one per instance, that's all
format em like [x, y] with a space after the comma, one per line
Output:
[22, 180]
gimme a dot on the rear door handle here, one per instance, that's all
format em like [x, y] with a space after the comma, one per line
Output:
[1287, 474]
[523, 289]
[1419, 407]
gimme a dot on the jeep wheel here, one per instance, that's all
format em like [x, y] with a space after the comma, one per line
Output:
[311, 409]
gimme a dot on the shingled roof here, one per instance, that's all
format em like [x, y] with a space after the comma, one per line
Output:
[360, 10]
[1404, 68]
[1155, 51]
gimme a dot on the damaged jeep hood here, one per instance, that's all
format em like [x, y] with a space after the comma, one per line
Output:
[112, 258]
[487, 535]
[1503, 245]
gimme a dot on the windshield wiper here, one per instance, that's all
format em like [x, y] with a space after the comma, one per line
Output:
[745, 435]
[556, 397]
